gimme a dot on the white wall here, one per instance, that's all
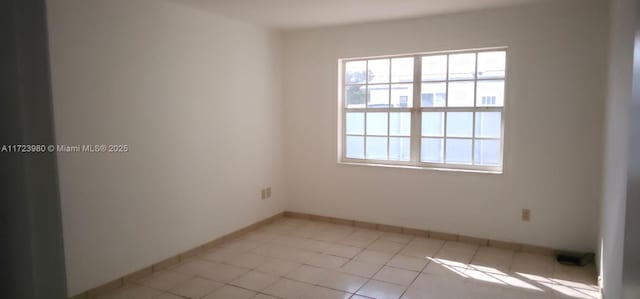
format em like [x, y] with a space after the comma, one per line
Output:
[196, 97]
[553, 136]
[616, 147]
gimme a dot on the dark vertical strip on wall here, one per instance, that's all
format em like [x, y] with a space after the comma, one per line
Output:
[31, 244]
[631, 260]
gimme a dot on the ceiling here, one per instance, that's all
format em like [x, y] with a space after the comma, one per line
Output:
[292, 14]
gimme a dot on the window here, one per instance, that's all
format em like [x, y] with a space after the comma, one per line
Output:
[442, 110]
[488, 100]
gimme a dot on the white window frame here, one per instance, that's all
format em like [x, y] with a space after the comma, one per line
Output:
[416, 115]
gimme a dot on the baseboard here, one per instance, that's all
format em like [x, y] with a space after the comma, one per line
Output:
[94, 292]
[518, 247]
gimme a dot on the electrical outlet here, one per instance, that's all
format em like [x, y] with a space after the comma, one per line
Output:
[268, 192]
[526, 215]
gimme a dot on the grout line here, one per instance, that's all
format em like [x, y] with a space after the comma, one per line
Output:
[475, 252]
[424, 268]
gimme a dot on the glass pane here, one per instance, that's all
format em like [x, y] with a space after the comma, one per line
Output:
[434, 68]
[355, 123]
[491, 64]
[355, 72]
[459, 151]
[487, 152]
[355, 147]
[490, 93]
[355, 96]
[462, 66]
[402, 69]
[432, 150]
[433, 95]
[432, 123]
[460, 94]
[399, 148]
[459, 124]
[400, 123]
[401, 95]
[489, 124]
[376, 123]
[378, 96]
[377, 148]
[379, 71]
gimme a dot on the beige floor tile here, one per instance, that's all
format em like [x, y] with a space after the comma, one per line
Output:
[279, 229]
[454, 270]
[308, 274]
[290, 241]
[578, 275]
[360, 242]
[396, 237]
[277, 266]
[246, 260]
[131, 292]
[374, 256]
[497, 258]
[419, 251]
[195, 287]
[287, 253]
[317, 246]
[360, 268]
[520, 294]
[343, 250]
[306, 231]
[436, 283]
[241, 245]
[327, 261]
[270, 250]
[222, 273]
[219, 254]
[259, 236]
[329, 236]
[567, 292]
[192, 266]
[316, 292]
[381, 290]
[343, 282]
[445, 293]
[256, 281]
[488, 275]
[287, 289]
[168, 296]
[455, 251]
[477, 290]
[396, 275]
[230, 292]
[366, 233]
[361, 238]
[426, 242]
[408, 262]
[263, 296]
[415, 293]
[446, 267]
[164, 280]
[459, 246]
[540, 265]
[386, 246]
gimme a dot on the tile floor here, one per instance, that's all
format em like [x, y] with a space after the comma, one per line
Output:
[295, 258]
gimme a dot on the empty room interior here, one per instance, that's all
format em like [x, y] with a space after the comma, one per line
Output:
[415, 149]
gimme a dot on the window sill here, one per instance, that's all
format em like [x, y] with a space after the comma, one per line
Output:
[480, 171]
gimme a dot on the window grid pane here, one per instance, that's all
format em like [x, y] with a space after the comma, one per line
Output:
[468, 82]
